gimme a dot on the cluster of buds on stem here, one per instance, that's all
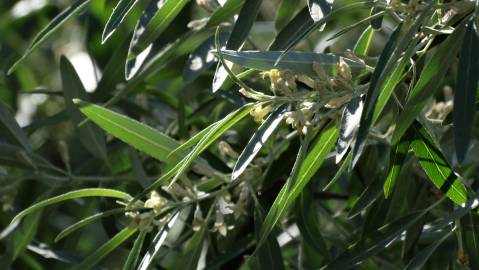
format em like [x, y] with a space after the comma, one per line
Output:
[146, 220]
[307, 94]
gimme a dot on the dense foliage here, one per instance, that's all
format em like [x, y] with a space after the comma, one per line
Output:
[239, 134]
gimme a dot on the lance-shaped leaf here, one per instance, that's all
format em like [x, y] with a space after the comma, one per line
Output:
[300, 62]
[436, 166]
[106, 248]
[269, 255]
[215, 132]
[192, 252]
[156, 243]
[295, 184]
[398, 155]
[243, 24]
[470, 237]
[349, 126]
[240, 32]
[364, 42]
[363, 249]
[465, 91]
[319, 9]
[202, 58]
[285, 12]
[90, 135]
[11, 126]
[423, 256]
[135, 251]
[77, 7]
[116, 18]
[308, 223]
[369, 195]
[429, 81]
[132, 132]
[372, 95]
[289, 37]
[258, 140]
[224, 13]
[290, 32]
[82, 223]
[88, 192]
[154, 20]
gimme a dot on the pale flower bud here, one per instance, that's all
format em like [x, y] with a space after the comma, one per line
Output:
[259, 112]
[156, 202]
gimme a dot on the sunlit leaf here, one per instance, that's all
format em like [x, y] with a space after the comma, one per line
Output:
[88, 192]
[116, 18]
[436, 166]
[257, 141]
[136, 134]
[154, 20]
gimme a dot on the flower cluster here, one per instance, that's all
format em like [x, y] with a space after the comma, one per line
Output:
[145, 221]
[308, 94]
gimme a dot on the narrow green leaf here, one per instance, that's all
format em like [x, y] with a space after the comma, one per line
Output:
[318, 9]
[156, 243]
[356, 24]
[156, 17]
[398, 155]
[87, 192]
[372, 95]
[470, 237]
[344, 166]
[392, 81]
[285, 12]
[289, 32]
[90, 135]
[295, 184]
[300, 62]
[465, 91]
[429, 80]
[369, 195]
[239, 34]
[8, 121]
[193, 250]
[289, 37]
[135, 251]
[380, 239]
[224, 13]
[106, 248]
[193, 140]
[202, 58]
[77, 7]
[363, 44]
[80, 224]
[436, 166]
[132, 132]
[423, 256]
[308, 223]
[113, 72]
[349, 126]
[257, 141]
[218, 130]
[269, 255]
[243, 24]
[121, 10]
[25, 234]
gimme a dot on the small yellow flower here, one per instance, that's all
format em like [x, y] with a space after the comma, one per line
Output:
[259, 112]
